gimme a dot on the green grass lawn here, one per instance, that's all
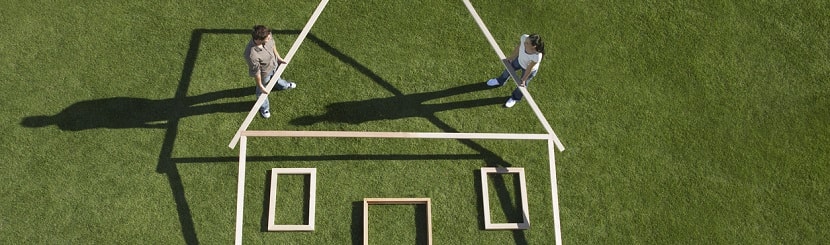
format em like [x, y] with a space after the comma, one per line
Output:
[684, 122]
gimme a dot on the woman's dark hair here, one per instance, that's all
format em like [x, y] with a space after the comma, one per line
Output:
[536, 40]
[260, 32]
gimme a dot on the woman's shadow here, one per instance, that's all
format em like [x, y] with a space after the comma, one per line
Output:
[397, 107]
[127, 112]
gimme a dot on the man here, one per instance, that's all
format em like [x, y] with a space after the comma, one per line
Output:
[263, 59]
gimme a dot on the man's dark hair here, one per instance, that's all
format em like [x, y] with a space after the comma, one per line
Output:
[260, 32]
[536, 40]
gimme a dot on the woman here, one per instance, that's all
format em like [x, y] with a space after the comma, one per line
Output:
[525, 57]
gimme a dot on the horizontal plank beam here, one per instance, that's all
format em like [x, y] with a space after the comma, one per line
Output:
[396, 200]
[411, 135]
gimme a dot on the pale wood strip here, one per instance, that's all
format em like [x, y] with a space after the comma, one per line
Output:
[240, 190]
[360, 134]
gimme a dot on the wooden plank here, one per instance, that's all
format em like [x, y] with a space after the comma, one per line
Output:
[278, 73]
[365, 222]
[360, 134]
[396, 200]
[541, 118]
[554, 193]
[240, 190]
[429, 222]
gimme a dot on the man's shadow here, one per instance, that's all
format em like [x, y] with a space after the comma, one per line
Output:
[127, 112]
[397, 107]
[123, 112]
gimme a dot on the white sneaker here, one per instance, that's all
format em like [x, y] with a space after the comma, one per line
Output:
[510, 102]
[291, 85]
[492, 82]
[265, 113]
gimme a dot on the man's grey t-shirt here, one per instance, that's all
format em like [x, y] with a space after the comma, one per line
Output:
[260, 59]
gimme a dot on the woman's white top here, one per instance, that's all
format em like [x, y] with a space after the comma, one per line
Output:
[525, 58]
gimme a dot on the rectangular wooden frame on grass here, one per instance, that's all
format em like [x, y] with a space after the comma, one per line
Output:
[485, 196]
[370, 201]
[312, 193]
